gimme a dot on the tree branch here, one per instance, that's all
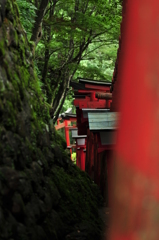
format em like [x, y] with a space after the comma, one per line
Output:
[37, 28]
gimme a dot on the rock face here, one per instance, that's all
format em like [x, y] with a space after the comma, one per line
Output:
[43, 195]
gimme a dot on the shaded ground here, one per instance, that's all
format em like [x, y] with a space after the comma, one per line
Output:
[81, 232]
[104, 214]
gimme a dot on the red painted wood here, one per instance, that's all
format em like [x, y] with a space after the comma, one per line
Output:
[103, 176]
[78, 157]
[135, 207]
[87, 152]
[101, 147]
[97, 87]
[90, 91]
[101, 95]
[95, 157]
[67, 133]
[82, 159]
[109, 173]
[91, 156]
[96, 161]
[59, 126]
[97, 104]
[71, 127]
[86, 103]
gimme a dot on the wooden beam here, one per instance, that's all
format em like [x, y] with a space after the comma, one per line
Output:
[107, 96]
[59, 126]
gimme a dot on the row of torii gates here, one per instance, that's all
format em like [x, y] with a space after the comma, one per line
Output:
[94, 131]
[134, 191]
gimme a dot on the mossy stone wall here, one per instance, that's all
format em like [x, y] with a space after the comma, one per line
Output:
[43, 195]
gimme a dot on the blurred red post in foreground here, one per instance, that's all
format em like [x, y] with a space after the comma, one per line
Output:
[135, 207]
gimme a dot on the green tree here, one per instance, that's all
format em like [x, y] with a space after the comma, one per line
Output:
[78, 38]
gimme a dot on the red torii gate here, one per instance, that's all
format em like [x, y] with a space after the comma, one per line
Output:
[135, 206]
[100, 143]
[80, 146]
[88, 95]
[93, 97]
[66, 118]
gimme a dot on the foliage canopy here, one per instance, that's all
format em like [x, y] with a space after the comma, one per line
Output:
[79, 38]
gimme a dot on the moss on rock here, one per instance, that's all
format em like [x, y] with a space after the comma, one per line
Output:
[43, 195]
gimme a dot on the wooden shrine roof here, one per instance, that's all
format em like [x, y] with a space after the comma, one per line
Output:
[80, 85]
[77, 85]
[96, 82]
[102, 120]
[67, 116]
[92, 110]
[75, 133]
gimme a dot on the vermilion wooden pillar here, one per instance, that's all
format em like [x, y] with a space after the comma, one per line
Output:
[91, 160]
[78, 157]
[96, 161]
[109, 168]
[103, 176]
[82, 159]
[135, 208]
[67, 133]
[87, 152]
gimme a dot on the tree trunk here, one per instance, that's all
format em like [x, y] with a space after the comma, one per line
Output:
[37, 29]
